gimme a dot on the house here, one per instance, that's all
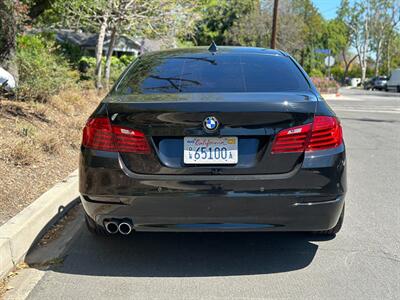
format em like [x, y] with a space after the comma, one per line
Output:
[123, 45]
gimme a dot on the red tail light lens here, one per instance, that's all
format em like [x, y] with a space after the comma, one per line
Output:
[324, 133]
[129, 140]
[99, 134]
[292, 139]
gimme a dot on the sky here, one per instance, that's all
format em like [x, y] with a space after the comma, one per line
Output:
[327, 7]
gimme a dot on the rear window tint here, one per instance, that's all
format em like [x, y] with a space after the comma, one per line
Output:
[212, 74]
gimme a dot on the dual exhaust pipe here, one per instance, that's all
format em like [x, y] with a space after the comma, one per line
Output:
[114, 226]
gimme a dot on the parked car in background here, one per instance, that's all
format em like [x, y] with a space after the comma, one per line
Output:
[376, 83]
[393, 83]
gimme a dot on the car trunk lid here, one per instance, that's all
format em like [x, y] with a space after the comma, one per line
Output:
[253, 118]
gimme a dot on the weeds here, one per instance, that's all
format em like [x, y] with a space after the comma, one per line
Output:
[25, 129]
[24, 153]
[39, 110]
[48, 129]
[70, 101]
[50, 144]
[3, 287]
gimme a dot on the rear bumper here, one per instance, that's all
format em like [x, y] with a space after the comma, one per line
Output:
[309, 198]
[220, 213]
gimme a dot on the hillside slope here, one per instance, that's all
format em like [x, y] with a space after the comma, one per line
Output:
[39, 145]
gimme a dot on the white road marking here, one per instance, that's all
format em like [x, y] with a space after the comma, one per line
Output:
[368, 110]
[340, 98]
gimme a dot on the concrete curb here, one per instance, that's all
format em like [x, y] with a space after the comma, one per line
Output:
[20, 233]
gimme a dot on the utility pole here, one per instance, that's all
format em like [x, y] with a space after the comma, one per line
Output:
[274, 24]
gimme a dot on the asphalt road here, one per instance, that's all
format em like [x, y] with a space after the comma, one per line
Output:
[361, 262]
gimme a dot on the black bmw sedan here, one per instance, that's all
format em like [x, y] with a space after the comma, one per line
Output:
[206, 139]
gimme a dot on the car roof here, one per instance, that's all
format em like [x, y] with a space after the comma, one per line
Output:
[221, 50]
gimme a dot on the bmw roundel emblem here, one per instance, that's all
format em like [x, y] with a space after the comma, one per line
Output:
[210, 123]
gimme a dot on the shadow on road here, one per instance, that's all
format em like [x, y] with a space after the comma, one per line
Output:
[188, 254]
[371, 120]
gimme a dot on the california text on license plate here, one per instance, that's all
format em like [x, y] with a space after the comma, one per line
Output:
[210, 150]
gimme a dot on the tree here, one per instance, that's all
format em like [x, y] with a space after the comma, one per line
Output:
[391, 53]
[370, 23]
[254, 28]
[161, 18]
[14, 14]
[312, 31]
[291, 28]
[218, 16]
[136, 18]
[383, 23]
[250, 30]
[90, 15]
[358, 18]
[338, 40]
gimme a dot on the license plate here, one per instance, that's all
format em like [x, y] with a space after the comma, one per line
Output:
[210, 150]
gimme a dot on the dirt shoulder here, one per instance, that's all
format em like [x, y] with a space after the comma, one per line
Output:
[39, 145]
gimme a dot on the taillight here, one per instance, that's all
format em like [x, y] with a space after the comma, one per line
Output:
[292, 139]
[323, 133]
[326, 134]
[99, 134]
[129, 140]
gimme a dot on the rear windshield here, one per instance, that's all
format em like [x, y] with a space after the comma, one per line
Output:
[212, 74]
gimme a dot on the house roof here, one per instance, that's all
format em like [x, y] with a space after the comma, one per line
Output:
[123, 42]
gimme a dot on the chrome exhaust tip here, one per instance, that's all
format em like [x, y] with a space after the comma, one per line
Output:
[125, 228]
[111, 227]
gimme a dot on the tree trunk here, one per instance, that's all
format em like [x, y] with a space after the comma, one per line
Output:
[388, 58]
[8, 33]
[364, 51]
[362, 61]
[99, 51]
[378, 57]
[109, 55]
[362, 58]
[363, 72]
[347, 64]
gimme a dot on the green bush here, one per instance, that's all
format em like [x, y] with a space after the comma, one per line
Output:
[87, 66]
[43, 72]
[117, 67]
[338, 72]
[71, 52]
[127, 59]
[355, 71]
[316, 73]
